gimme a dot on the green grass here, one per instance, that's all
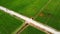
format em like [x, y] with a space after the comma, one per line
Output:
[32, 30]
[26, 7]
[51, 14]
[8, 24]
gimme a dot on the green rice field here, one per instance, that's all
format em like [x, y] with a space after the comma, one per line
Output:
[44, 11]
